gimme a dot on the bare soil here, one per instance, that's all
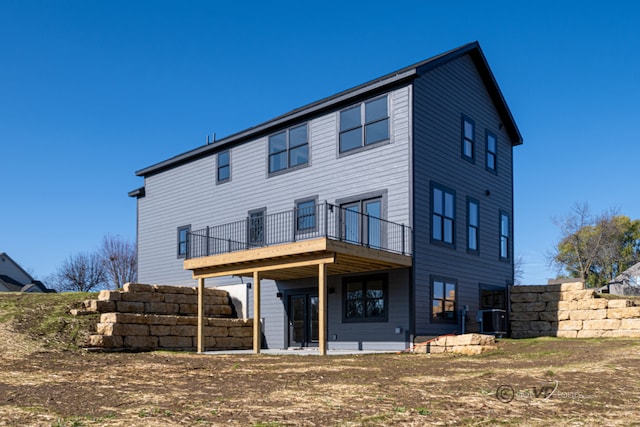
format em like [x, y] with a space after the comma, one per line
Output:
[532, 382]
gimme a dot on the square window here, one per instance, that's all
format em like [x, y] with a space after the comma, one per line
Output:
[364, 124]
[365, 299]
[288, 149]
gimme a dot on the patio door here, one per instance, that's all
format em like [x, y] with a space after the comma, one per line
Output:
[303, 320]
[361, 222]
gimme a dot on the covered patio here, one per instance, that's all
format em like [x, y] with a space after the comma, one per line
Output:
[317, 241]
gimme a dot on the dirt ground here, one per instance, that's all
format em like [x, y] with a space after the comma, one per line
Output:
[524, 382]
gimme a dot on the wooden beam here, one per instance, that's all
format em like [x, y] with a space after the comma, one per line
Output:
[264, 266]
[257, 333]
[349, 249]
[286, 249]
[322, 308]
[201, 315]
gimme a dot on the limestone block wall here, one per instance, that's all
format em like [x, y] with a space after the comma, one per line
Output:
[568, 310]
[468, 344]
[153, 317]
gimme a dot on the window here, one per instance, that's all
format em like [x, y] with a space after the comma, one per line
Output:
[443, 307]
[365, 299]
[306, 215]
[473, 216]
[492, 152]
[468, 138]
[361, 222]
[505, 226]
[183, 240]
[364, 124]
[443, 205]
[224, 167]
[256, 227]
[493, 297]
[288, 149]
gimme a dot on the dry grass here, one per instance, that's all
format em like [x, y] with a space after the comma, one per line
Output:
[598, 383]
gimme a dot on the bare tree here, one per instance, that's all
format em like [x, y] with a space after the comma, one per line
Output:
[518, 269]
[119, 259]
[81, 273]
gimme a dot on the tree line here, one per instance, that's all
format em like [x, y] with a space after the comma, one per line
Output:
[112, 265]
[595, 248]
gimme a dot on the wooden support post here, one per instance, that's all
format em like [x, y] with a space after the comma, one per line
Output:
[322, 308]
[257, 333]
[200, 315]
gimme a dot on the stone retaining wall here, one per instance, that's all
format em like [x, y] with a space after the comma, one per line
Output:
[460, 344]
[149, 317]
[568, 310]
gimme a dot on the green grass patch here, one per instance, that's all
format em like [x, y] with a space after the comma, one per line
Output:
[46, 317]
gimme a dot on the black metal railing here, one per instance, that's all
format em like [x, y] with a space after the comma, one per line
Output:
[323, 220]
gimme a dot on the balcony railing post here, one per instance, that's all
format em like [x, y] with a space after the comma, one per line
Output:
[326, 219]
[403, 232]
[208, 237]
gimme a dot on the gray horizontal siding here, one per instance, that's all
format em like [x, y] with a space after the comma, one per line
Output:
[188, 194]
[440, 98]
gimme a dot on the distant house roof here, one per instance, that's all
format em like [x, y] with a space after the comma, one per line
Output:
[385, 82]
[10, 284]
[14, 285]
[631, 276]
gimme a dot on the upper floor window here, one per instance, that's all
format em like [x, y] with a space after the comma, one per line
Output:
[306, 216]
[468, 138]
[473, 216]
[443, 297]
[365, 299]
[443, 207]
[288, 149]
[224, 167]
[505, 240]
[492, 152]
[364, 124]
[183, 240]
[255, 227]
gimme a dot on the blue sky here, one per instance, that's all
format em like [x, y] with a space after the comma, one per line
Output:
[91, 91]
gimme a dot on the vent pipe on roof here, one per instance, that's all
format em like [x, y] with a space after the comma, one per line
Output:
[211, 141]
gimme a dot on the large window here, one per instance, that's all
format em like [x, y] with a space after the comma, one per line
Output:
[364, 124]
[473, 223]
[468, 138]
[224, 167]
[306, 216]
[505, 240]
[183, 240]
[361, 222]
[365, 299]
[289, 149]
[492, 152]
[443, 296]
[443, 206]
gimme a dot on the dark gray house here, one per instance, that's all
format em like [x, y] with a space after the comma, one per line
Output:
[359, 221]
